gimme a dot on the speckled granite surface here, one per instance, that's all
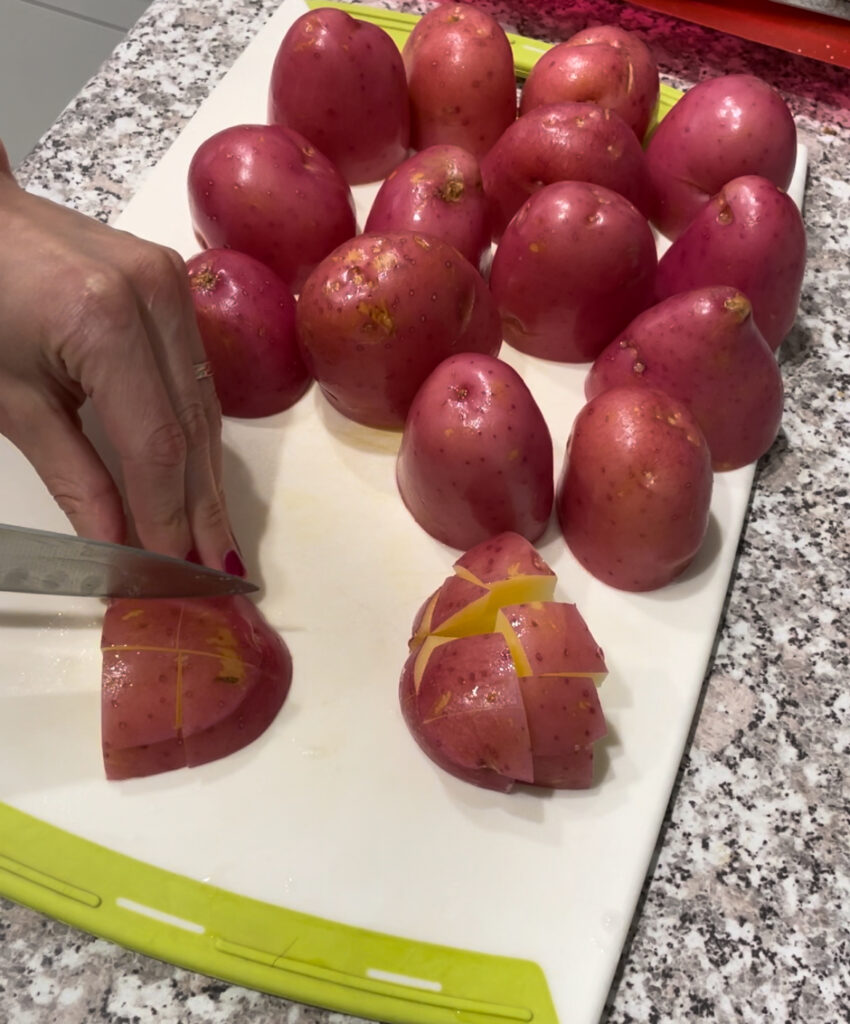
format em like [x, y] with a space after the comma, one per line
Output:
[746, 913]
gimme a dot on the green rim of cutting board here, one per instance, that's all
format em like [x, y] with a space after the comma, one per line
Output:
[260, 945]
[527, 51]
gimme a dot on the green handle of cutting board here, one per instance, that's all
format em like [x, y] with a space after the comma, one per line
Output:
[526, 51]
[260, 945]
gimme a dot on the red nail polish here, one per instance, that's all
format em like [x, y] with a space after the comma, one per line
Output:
[233, 564]
[193, 556]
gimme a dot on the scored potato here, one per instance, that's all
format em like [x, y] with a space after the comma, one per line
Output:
[186, 681]
[483, 680]
[550, 638]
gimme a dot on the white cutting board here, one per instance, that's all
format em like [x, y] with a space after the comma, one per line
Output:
[334, 811]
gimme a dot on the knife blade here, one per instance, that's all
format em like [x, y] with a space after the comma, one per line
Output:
[41, 562]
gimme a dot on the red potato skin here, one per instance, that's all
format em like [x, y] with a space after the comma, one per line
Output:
[605, 65]
[721, 129]
[340, 82]
[750, 236]
[476, 455]
[470, 707]
[575, 265]
[186, 682]
[555, 639]
[565, 719]
[461, 79]
[456, 598]
[381, 312]
[503, 557]
[266, 191]
[246, 316]
[492, 714]
[439, 192]
[567, 141]
[703, 348]
[484, 777]
[634, 494]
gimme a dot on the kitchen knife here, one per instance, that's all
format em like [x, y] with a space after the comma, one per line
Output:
[40, 562]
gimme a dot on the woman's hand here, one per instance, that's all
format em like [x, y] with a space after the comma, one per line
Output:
[87, 311]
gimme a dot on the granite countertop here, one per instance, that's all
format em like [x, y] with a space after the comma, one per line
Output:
[744, 915]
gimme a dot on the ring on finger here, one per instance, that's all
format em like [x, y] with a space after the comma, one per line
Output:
[203, 370]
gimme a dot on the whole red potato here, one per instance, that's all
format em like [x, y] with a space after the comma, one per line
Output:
[246, 316]
[750, 236]
[721, 129]
[381, 311]
[437, 191]
[461, 79]
[574, 266]
[476, 455]
[635, 490]
[703, 348]
[340, 82]
[606, 65]
[268, 192]
[563, 142]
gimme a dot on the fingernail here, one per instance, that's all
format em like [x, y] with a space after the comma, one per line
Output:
[193, 556]
[233, 564]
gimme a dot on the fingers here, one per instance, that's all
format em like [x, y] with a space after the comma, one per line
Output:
[110, 353]
[176, 344]
[117, 326]
[51, 439]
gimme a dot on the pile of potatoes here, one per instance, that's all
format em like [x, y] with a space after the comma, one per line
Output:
[528, 224]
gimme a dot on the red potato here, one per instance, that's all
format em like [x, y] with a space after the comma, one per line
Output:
[266, 191]
[510, 566]
[459, 606]
[473, 702]
[461, 79]
[605, 65]
[750, 236]
[470, 706]
[246, 316]
[574, 266]
[186, 682]
[476, 454]
[340, 82]
[381, 312]
[721, 129]
[564, 719]
[563, 142]
[438, 192]
[483, 776]
[549, 638]
[635, 490]
[503, 570]
[703, 348]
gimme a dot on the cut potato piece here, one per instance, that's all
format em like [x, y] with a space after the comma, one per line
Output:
[498, 691]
